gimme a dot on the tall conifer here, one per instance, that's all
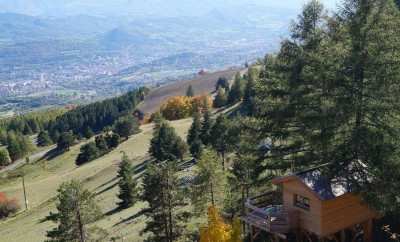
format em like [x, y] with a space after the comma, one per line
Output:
[128, 191]
[193, 138]
[164, 195]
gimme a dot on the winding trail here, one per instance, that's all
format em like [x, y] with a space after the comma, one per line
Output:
[22, 161]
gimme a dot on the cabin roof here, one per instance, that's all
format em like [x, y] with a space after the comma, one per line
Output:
[315, 179]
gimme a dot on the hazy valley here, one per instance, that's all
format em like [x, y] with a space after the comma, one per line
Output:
[46, 61]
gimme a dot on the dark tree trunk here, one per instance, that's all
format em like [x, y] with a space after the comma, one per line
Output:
[212, 194]
[80, 225]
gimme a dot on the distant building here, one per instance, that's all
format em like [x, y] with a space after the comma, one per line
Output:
[71, 106]
[139, 114]
[202, 72]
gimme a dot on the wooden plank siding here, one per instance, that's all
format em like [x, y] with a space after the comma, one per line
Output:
[306, 219]
[343, 212]
[325, 217]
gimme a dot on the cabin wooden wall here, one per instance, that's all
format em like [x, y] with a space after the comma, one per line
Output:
[306, 219]
[343, 212]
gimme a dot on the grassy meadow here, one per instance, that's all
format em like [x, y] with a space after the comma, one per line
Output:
[43, 178]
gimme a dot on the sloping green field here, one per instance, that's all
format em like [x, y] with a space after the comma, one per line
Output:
[43, 178]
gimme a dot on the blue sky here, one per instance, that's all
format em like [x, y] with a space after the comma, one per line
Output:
[123, 7]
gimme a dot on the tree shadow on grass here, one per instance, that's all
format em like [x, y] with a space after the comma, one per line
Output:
[137, 170]
[107, 182]
[51, 154]
[106, 189]
[113, 211]
[140, 168]
[135, 216]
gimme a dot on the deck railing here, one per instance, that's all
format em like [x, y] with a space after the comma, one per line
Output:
[266, 199]
[267, 217]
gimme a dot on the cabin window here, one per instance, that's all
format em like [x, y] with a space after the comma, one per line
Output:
[302, 202]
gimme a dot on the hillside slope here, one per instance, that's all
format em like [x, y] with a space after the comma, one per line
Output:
[43, 179]
[201, 85]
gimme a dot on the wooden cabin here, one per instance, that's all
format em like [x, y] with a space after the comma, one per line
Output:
[314, 208]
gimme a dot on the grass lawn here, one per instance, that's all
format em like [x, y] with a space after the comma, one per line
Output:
[44, 177]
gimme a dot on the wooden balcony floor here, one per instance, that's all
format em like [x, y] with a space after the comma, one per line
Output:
[271, 219]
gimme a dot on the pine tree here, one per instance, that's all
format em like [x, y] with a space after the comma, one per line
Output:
[101, 144]
[220, 99]
[18, 145]
[44, 139]
[164, 196]
[194, 131]
[126, 126]
[189, 91]
[288, 97]
[209, 182]
[3, 137]
[247, 172]
[128, 192]
[236, 92]
[196, 148]
[27, 130]
[330, 95]
[220, 139]
[76, 209]
[223, 83]
[88, 152]
[96, 115]
[206, 126]
[88, 132]
[65, 141]
[368, 101]
[180, 148]
[4, 157]
[14, 147]
[112, 140]
[193, 137]
[249, 95]
[166, 144]
[158, 119]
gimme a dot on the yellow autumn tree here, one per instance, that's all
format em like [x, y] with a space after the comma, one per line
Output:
[201, 102]
[236, 233]
[179, 107]
[218, 231]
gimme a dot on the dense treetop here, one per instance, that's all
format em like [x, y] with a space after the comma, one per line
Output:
[330, 95]
[97, 115]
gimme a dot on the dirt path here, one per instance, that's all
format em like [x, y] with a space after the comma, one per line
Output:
[21, 162]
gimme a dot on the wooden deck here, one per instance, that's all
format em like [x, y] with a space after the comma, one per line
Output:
[261, 218]
[261, 214]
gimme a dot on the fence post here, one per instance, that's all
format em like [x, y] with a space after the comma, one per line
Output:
[25, 198]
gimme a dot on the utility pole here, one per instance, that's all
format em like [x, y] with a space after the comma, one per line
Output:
[79, 219]
[26, 199]
[80, 224]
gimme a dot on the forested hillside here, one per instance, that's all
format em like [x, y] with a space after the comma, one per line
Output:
[64, 127]
[327, 99]
[331, 96]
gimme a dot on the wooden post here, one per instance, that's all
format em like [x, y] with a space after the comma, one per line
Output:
[251, 234]
[367, 228]
[343, 236]
[298, 235]
[80, 224]
[25, 198]
[243, 210]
